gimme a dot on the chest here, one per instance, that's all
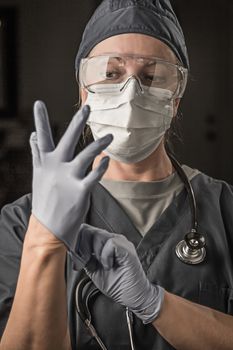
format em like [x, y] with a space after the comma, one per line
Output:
[209, 283]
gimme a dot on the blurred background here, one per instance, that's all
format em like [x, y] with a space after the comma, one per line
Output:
[38, 43]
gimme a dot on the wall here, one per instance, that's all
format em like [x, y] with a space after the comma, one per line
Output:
[47, 40]
[207, 120]
[48, 37]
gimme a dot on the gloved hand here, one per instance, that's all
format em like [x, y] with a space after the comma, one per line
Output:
[112, 263]
[61, 190]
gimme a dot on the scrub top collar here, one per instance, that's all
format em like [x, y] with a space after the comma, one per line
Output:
[115, 219]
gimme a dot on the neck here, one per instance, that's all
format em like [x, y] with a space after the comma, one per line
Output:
[156, 167]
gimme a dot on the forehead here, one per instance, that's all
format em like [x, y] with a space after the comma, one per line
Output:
[136, 44]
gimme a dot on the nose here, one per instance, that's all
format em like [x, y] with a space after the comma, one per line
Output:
[133, 66]
[137, 84]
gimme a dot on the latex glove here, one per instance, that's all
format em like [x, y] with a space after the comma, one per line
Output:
[112, 263]
[61, 190]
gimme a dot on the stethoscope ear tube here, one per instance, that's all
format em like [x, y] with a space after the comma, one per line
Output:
[85, 315]
[80, 307]
[191, 250]
[83, 312]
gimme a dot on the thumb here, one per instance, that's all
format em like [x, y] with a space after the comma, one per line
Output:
[90, 242]
[117, 251]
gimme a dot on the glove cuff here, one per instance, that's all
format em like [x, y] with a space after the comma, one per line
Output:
[152, 310]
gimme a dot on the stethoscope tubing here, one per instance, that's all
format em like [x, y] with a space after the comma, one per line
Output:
[85, 315]
[191, 250]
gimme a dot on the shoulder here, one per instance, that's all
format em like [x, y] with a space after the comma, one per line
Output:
[13, 226]
[208, 184]
[14, 218]
[214, 196]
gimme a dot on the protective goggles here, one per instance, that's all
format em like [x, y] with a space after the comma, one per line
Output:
[112, 71]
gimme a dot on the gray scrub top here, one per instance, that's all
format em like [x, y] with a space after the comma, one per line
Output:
[209, 283]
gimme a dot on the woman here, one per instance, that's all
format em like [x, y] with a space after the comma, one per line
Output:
[120, 221]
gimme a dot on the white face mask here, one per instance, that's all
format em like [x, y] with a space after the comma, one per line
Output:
[138, 120]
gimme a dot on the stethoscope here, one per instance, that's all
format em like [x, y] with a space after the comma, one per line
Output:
[82, 299]
[191, 250]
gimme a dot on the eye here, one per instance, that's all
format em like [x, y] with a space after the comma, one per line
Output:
[109, 76]
[112, 75]
[148, 77]
[153, 79]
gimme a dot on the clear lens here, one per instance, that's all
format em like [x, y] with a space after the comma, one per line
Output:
[113, 69]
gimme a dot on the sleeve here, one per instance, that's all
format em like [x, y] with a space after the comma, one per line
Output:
[226, 204]
[13, 225]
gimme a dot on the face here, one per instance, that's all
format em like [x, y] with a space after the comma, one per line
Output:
[135, 44]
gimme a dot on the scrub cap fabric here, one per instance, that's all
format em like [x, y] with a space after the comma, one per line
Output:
[151, 17]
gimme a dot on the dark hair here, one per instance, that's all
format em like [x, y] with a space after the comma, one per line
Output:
[86, 138]
[173, 135]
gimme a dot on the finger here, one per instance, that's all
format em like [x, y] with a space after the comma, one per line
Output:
[87, 156]
[95, 175]
[124, 249]
[90, 242]
[69, 140]
[117, 251]
[34, 149]
[107, 257]
[43, 130]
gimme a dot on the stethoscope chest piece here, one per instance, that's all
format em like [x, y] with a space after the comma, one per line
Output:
[191, 250]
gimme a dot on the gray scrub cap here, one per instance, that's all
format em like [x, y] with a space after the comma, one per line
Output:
[152, 17]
